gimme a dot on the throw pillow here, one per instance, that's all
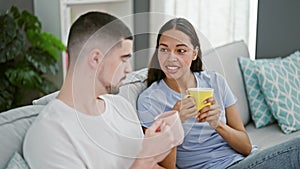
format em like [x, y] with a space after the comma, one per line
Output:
[17, 162]
[260, 113]
[280, 83]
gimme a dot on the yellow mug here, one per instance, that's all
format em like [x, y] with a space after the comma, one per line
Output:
[200, 94]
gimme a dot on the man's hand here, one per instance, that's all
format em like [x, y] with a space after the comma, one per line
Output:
[158, 142]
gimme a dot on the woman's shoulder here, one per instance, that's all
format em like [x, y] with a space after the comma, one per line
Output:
[210, 74]
[152, 91]
[154, 86]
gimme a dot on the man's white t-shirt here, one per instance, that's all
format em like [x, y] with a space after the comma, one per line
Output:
[61, 137]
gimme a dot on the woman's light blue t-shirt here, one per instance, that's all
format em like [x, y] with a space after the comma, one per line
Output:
[203, 147]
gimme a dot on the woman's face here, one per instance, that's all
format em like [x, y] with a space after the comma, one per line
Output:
[175, 54]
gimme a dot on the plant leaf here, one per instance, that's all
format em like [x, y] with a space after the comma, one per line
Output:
[29, 21]
[45, 41]
[12, 50]
[15, 12]
[24, 78]
[47, 87]
[8, 28]
[11, 41]
[42, 60]
[6, 94]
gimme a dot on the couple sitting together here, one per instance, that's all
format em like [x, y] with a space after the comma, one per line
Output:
[88, 126]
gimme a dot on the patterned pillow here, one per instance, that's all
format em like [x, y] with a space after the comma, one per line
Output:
[260, 113]
[280, 83]
[17, 162]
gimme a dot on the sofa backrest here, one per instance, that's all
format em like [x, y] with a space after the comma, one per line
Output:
[224, 59]
[13, 126]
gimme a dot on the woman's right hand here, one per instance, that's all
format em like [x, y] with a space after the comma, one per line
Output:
[186, 108]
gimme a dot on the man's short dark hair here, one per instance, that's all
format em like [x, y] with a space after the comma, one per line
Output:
[97, 26]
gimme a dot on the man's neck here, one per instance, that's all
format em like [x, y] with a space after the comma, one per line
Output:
[85, 102]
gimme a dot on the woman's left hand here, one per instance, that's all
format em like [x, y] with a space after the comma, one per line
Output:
[210, 113]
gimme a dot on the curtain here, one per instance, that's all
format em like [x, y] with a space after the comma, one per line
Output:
[220, 21]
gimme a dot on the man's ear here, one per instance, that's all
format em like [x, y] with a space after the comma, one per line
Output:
[195, 53]
[95, 58]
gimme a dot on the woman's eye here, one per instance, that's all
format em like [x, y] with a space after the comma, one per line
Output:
[163, 50]
[181, 50]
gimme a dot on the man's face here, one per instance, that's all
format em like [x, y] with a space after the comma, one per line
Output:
[115, 66]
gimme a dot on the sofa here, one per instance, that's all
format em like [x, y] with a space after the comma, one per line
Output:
[224, 59]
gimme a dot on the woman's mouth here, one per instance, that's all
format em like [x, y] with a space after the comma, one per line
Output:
[172, 69]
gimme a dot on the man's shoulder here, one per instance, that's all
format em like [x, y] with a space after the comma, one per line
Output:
[50, 120]
[114, 98]
[118, 102]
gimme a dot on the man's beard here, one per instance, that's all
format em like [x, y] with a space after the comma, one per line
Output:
[112, 89]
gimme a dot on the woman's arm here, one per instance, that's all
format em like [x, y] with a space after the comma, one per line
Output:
[170, 161]
[234, 131]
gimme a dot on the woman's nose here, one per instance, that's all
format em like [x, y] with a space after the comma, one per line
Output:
[172, 57]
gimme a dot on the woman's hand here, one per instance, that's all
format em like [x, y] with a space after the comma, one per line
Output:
[211, 113]
[186, 108]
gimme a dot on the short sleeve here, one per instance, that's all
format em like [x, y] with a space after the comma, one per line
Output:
[226, 94]
[151, 103]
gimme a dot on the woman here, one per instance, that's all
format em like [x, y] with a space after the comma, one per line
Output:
[214, 136]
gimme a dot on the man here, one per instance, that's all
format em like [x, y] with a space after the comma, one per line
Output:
[87, 126]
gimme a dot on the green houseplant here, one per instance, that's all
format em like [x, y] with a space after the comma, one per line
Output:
[26, 55]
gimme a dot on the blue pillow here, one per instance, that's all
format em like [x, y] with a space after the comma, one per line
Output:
[280, 83]
[17, 162]
[260, 113]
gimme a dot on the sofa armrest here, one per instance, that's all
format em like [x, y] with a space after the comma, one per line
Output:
[13, 127]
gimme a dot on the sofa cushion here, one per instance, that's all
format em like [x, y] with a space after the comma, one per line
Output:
[134, 84]
[260, 113]
[280, 83]
[13, 126]
[268, 136]
[224, 59]
[17, 162]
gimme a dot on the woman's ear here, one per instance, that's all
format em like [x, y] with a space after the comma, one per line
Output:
[195, 53]
[95, 57]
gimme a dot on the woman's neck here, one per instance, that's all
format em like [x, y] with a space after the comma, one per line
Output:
[181, 85]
